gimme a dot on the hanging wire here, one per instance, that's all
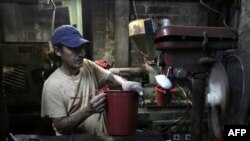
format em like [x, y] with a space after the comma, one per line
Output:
[135, 9]
[52, 63]
[180, 121]
[220, 13]
[53, 15]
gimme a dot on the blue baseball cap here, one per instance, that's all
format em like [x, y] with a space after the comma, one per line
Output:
[67, 35]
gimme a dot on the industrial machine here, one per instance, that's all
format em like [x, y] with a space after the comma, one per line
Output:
[194, 49]
[165, 110]
[208, 62]
[206, 67]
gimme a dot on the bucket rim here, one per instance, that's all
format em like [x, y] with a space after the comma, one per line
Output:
[123, 91]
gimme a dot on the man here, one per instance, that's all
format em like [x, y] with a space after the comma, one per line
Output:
[69, 95]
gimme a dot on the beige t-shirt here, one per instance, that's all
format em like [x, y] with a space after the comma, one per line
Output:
[65, 95]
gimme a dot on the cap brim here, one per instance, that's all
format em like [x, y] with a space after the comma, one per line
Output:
[76, 42]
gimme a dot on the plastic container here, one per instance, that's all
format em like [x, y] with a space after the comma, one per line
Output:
[121, 112]
[160, 96]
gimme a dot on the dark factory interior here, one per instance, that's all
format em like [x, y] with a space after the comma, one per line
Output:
[191, 58]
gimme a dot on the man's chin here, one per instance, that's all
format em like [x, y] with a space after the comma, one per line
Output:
[78, 65]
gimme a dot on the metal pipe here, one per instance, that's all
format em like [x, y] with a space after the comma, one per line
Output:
[128, 72]
[13, 137]
[198, 85]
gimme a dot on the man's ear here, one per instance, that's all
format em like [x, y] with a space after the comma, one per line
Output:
[58, 51]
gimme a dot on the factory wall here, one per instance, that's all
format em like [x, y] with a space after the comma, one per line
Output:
[105, 40]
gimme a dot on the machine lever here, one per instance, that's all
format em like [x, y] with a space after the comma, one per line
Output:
[205, 40]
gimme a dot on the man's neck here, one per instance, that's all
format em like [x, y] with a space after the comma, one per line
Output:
[70, 71]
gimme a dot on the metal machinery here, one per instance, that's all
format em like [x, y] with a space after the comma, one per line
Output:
[203, 64]
[210, 60]
[166, 111]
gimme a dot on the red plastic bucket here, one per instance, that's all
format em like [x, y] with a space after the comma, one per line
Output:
[160, 96]
[121, 112]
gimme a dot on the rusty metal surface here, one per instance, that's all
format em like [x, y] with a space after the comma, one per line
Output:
[189, 59]
[176, 45]
[195, 31]
[187, 37]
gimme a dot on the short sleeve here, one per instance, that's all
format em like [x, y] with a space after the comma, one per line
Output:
[52, 104]
[100, 73]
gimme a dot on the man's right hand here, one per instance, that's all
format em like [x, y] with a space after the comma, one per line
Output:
[97, 103]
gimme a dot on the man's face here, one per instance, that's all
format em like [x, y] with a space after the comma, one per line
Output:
[72, 57]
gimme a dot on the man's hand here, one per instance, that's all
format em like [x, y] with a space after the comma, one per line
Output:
[64, 125]
[97, 103]
[133, 86]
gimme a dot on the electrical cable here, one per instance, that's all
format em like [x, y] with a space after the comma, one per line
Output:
[184, 116]
[182, 90]
[53, 20]
[54, 13]
[220, 13]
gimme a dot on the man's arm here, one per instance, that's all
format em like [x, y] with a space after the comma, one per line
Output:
[116, 79]
[65, 124]
[126, 85]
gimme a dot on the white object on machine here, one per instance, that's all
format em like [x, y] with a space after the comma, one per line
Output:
[163, 81]
[217, 86]
[217, 94]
